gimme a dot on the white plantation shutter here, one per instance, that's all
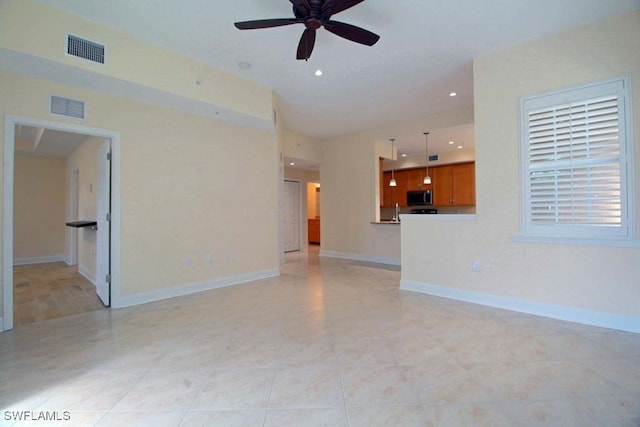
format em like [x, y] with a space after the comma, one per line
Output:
[575, 163]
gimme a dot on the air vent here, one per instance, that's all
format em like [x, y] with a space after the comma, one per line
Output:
[85, 49]
[67, 107]
[433, 158]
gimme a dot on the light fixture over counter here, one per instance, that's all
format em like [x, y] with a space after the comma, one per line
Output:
[393, 182]
[427, 178]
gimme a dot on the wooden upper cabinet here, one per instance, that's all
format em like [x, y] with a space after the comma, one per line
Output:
[442, 185]
[463, 177]
[414, 179]
[454, 185]
[397, 194]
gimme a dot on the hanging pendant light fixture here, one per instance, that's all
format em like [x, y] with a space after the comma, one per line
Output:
[427, 178]
[393, 182]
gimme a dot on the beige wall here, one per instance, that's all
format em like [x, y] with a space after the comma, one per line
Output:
[571, 278]
[38, 209]
[181, 176]
[303, 147]
[84, 159]
[32, 29]
[350, 189]
[304, 175]
[181, 171]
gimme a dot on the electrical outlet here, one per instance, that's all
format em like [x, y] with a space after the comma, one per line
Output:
[227, 256]
[208, 259]
[188, 261]
[475, 267]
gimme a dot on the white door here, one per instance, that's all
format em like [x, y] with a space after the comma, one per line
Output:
[103, 209]
[291, 216]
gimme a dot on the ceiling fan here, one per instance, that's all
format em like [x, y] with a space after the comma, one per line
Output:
[315, 14]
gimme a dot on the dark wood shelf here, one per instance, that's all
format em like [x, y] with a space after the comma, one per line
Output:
[82, 224]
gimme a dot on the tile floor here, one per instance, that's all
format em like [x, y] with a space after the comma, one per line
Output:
[51, 290]
[329, 343]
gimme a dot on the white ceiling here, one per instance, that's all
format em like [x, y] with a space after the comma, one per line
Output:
[36, 141]
[425, 51]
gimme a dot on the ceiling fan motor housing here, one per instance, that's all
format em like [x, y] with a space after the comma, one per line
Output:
[318, 13]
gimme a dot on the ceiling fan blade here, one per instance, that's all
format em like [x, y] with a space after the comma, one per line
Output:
[351, 32]
[305, 47]
[301, 8]
[265, 23]
[337, 6]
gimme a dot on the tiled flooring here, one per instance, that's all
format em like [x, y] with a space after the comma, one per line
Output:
[51, 290]
[329, 343]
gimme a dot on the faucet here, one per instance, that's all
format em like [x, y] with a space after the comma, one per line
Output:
[397, 217]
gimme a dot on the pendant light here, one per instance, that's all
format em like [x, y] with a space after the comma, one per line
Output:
[427, 178]
[393, 182]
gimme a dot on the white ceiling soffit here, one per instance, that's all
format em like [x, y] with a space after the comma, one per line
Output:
[16, 62]
[425, 51]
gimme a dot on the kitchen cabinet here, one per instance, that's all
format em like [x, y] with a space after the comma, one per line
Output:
[314, 230]
[407, 180]
[416, 180]
[454, 185]
[397, 194]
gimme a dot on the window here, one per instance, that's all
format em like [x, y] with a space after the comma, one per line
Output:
[575, 162]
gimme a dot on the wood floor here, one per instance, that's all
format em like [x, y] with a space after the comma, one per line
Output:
[51, 290]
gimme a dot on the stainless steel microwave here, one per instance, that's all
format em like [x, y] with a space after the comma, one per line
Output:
[419, 198]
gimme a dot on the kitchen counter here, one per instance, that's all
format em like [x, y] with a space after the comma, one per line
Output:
[440, 217]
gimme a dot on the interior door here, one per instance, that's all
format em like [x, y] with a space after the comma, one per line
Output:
[291, 216]
[103, 209]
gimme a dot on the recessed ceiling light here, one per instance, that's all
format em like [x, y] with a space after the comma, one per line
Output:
[292, 163]
[451, 142]
[404, 155]
[244, 66]
[319, 73]
[452, 94]
[459, 147]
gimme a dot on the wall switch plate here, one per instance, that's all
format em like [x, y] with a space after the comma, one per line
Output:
[208, 259]
[188, 261]
[475, 267]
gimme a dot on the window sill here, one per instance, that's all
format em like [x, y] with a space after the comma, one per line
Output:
[582, 241]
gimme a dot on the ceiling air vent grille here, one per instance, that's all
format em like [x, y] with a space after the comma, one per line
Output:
[85, 49]
[67, 107]
[433, 158]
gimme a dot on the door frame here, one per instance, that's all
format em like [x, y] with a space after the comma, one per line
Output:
[74, 190]
[10, 122]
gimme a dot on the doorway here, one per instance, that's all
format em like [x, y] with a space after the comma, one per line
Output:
[291, 216]
[107, 248]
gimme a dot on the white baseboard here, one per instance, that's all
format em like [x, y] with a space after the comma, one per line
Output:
[360, 257]
[587, 317]
[147, 297]
[38, 260]
[87, 275]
